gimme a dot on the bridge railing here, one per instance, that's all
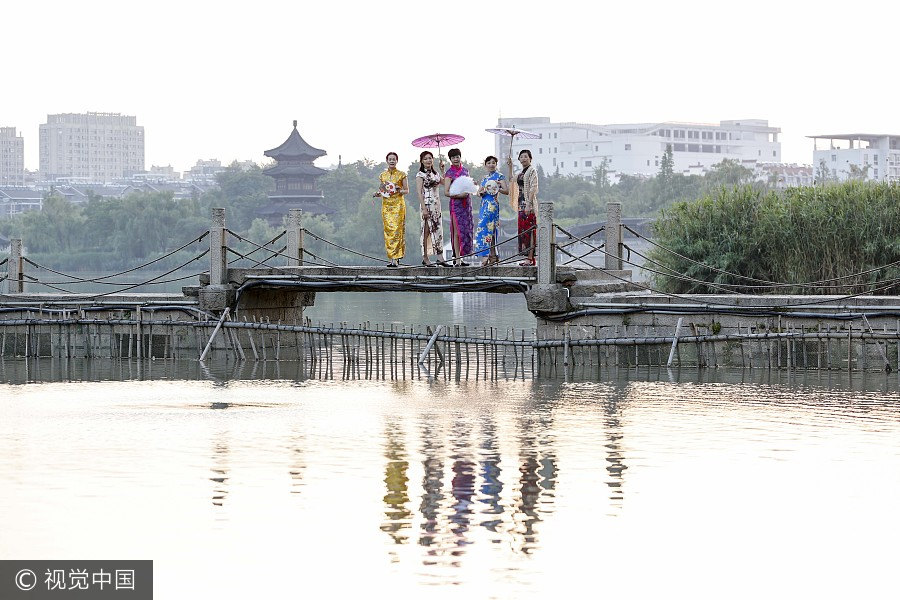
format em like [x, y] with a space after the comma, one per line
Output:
[554, 242]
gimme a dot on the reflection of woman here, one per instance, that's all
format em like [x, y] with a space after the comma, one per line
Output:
[393, 209]
[460, 210]
[427, 182]
[526, 190]
[493, 184]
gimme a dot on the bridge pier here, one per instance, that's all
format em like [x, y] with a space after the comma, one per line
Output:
[547, 296]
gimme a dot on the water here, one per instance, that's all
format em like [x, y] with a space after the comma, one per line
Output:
[648, 483]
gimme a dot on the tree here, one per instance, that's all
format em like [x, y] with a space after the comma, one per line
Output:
[822, 173]
[728, 173]
[601, 174]
[667, 166]
[858, 173]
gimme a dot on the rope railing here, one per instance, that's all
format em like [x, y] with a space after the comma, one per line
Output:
[256, 263]
[101, 280]
[339, 247]
[150, 281]
[725, 304]
[768, 283]
[278, 253]
[575, 238]
[736, 288]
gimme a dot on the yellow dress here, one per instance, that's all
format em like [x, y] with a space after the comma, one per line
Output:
[393, 213]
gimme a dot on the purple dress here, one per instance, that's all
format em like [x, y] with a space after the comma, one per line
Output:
[461, 213]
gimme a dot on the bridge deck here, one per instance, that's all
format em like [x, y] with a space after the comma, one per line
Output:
[495, 279]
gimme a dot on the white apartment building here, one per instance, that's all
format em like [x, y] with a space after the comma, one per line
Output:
[870, 156]
[12, 157]
[636, 149]
[93, 147]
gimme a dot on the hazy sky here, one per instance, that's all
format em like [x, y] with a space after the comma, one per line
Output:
[224, 80]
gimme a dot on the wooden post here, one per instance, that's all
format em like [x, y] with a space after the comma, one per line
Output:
[546, 244]
[295, 237]
[15, 280]
[217, 259]
[614, 236]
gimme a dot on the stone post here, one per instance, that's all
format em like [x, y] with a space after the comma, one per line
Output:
[218, 294]
[546, 296]
[217, 255]
[295, 238]
[15, 278]
[546, 244]
[614, 236]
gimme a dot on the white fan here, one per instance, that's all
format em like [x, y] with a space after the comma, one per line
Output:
[463, 185]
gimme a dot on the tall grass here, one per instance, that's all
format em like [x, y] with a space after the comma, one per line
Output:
[794, 236]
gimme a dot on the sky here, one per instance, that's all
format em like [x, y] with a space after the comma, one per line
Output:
[225, 80]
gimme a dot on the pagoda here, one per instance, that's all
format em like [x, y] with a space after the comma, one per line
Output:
[295, 179]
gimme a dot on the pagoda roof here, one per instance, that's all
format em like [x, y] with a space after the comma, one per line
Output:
[293, 170]
[294, 147]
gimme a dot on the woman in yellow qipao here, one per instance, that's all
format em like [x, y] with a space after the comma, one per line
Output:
[392, 190]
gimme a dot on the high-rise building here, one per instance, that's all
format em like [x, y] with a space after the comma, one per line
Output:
[12, 157]
[638, 148]
[94, 147]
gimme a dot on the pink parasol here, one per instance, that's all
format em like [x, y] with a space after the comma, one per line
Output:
[512, 133]
[436, 140]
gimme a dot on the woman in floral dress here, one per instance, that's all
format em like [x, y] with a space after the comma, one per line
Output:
[493, 184]
[427, 185]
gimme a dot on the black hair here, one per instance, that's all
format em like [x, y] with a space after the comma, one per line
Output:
[528, 152]
[422, 156]
[493, 158]
[454, 152]
[386, 156]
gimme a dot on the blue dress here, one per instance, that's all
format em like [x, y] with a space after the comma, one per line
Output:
[489, 216]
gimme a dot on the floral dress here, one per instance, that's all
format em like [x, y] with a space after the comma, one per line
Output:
[461, 213]
[393, 212]
[432, 235]
[489, 216]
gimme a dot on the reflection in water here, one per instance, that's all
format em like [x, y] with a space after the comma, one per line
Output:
[219, 471]
[504, 492]
[432, 482]
[490, 473]
[395, 479]
[537, 466]
[297, 464]
[615, 457]
[462, 486]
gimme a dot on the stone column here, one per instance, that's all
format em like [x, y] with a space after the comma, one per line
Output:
[614, 236]
[295, 238]
[217, 255]
[15, 280]
[218, 294]
[546, 244]
[546, 296]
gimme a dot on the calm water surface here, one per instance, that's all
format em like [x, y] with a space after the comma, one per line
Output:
[708, 484]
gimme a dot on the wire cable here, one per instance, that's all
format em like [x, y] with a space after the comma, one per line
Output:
[76, 279]
[766, 281]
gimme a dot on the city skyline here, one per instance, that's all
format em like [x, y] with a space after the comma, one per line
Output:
[230, 91]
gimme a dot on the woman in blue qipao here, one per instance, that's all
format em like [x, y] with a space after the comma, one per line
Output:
[493, 184]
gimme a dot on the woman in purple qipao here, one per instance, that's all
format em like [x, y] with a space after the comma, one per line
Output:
[460, 210]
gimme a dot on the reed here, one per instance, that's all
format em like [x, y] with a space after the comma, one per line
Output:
[794, 236]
